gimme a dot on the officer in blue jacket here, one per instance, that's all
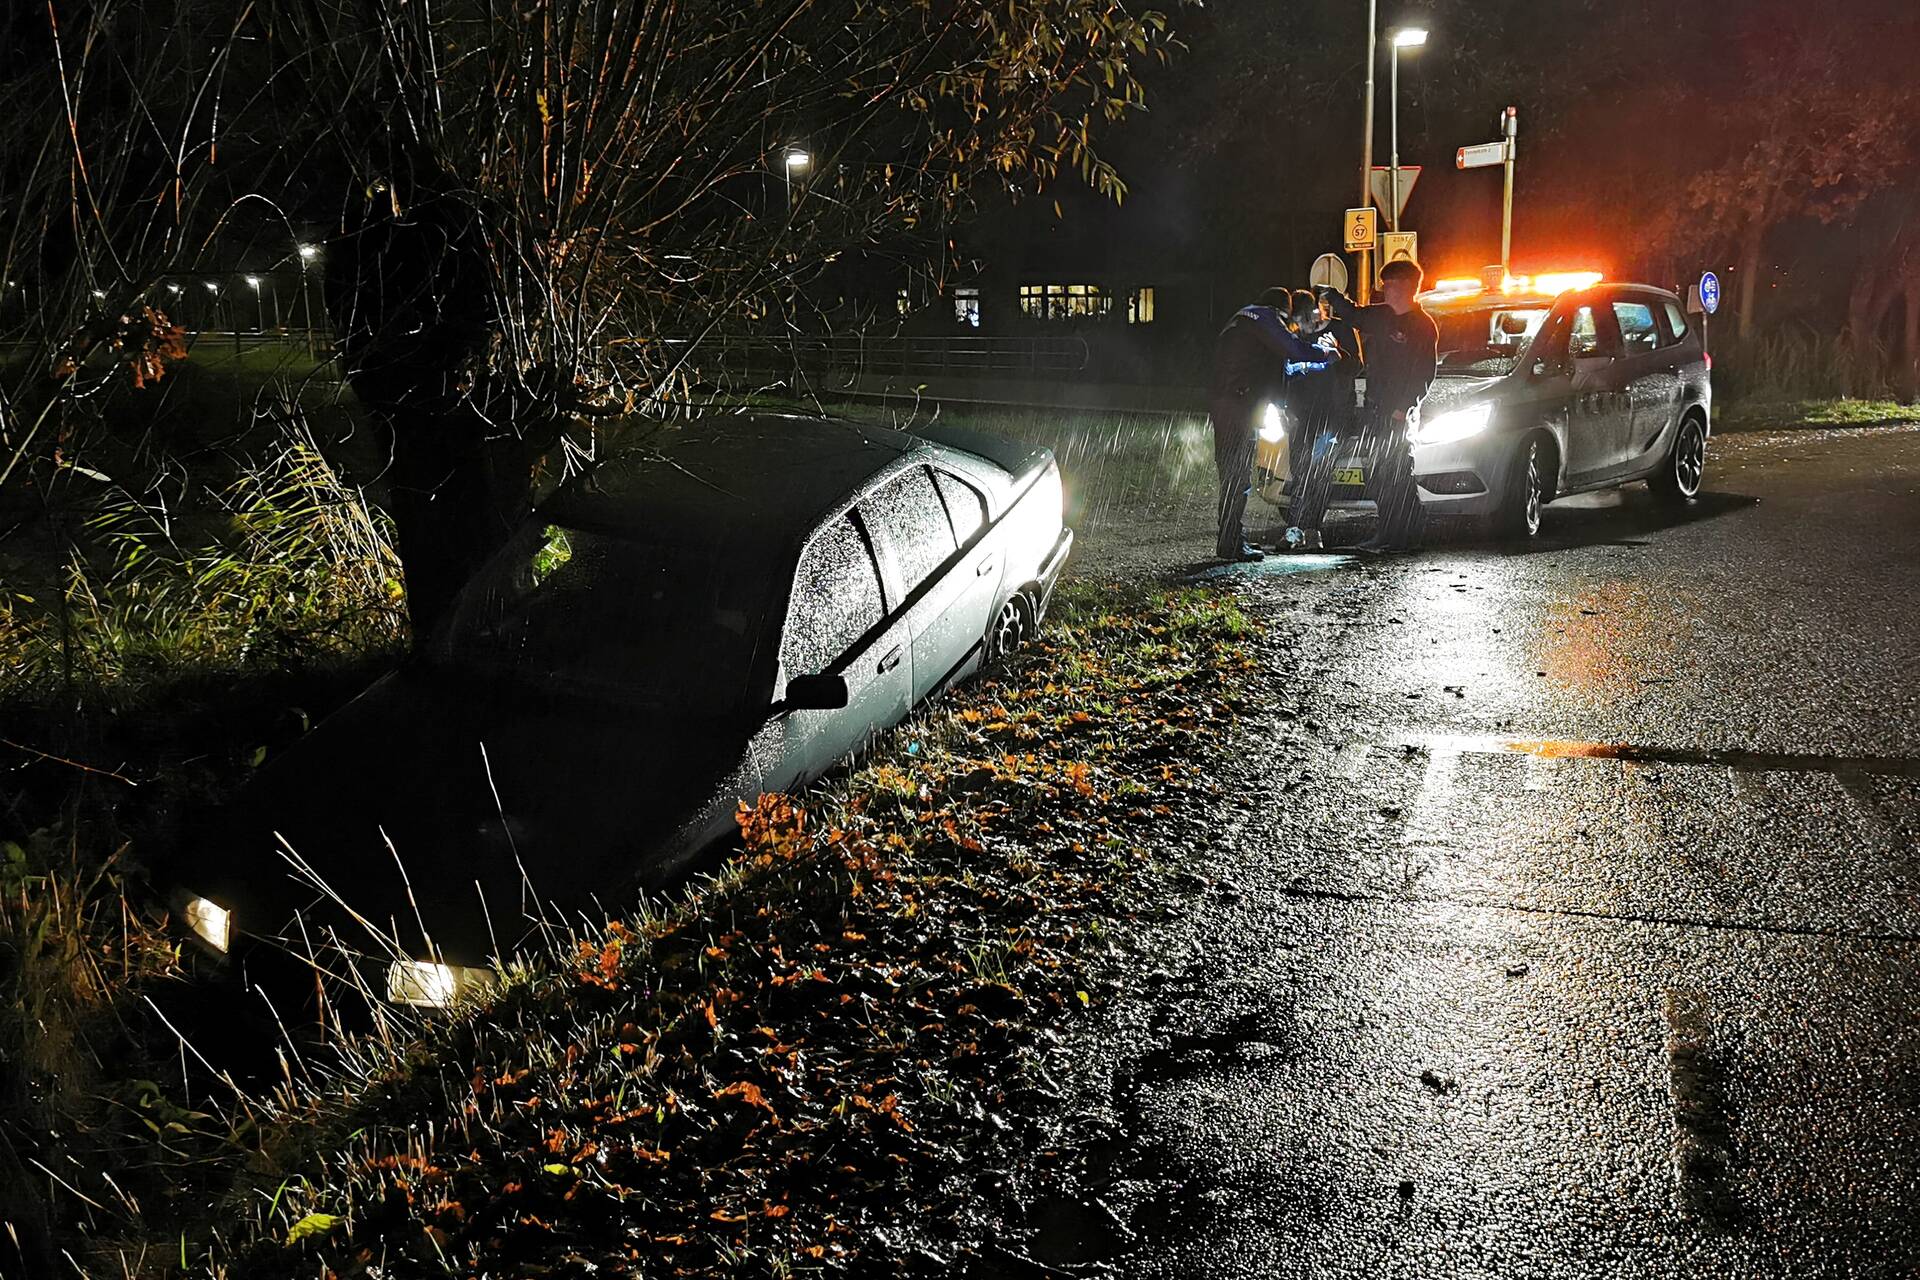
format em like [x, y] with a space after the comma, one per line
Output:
[1252, 360]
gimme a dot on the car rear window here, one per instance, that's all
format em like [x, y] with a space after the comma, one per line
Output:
[966, 507]
[609, 615]
[836, 599]
[1637, 328]
[908, 513]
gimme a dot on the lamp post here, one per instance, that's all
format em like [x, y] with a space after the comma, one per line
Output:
[1401, 38]
[795, 160]
[308, 252]
[1366, 151]
[259, 304]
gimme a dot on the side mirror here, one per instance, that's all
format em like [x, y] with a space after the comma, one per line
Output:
[815, 693]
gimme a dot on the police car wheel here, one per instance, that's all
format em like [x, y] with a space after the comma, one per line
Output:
[1525, 494]
[1678, 479]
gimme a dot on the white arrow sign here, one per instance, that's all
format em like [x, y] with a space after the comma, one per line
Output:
[1483, 156]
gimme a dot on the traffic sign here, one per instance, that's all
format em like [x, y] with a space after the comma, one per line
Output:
[1363, 228]
[1484, 156]
[1329, 269]
[1383, 187]
[1710, 292]
[1399, 246]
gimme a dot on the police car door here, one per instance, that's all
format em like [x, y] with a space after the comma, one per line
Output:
[1600, 415]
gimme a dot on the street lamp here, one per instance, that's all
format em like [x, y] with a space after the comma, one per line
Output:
[796, 160]
[1400, 38]
[308, 252]
[260, 306]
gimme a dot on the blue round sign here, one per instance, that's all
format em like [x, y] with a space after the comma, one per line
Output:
[1710, 292]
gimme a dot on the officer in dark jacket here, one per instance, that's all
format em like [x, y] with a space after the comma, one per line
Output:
[1252, 359]
[1399, 344]
[1320, 418]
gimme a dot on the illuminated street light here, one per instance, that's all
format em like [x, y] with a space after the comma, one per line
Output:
[259, 305]
[213, 286]
[309, 252]
[99, 293]
[797, 161]
[1399, 38]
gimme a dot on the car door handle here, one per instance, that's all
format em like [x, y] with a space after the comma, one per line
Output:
[891, 661]
[984, 568]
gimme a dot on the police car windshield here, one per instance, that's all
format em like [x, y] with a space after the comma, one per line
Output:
[1486, 342]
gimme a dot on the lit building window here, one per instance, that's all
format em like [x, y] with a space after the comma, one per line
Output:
[1064, 301]
[966, 307]
[1140, 306]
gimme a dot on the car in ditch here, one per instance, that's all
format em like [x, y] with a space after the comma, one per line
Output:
[731, 609]
[1545, 387]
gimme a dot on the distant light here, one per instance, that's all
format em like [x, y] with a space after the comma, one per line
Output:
[798, 159]
[1410, 37]
[99, 293]
[308, 252]
[173, 288]
[213, 286]
[254, 281]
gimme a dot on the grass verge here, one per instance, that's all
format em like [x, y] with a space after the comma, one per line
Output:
[1786, 415]
[831, 1056]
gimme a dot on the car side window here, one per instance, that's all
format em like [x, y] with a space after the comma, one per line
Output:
[1583, 340]
[1676, 324]
[908, 511]
[1637, 328]
[836, 599]
[966, 506]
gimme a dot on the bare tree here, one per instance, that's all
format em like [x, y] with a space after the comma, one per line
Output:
[540, 209]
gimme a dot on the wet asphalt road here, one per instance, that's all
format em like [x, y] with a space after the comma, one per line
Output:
[1566, 919]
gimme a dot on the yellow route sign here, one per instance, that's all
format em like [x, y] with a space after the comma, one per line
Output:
[1362, 228]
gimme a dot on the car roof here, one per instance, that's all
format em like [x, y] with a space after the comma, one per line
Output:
[1460, 304]
[764, 478]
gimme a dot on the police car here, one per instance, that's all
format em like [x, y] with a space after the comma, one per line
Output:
[1547, 386]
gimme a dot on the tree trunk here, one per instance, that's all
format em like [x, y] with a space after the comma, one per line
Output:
[413, 299]
[1752, 242]
[1910, 366]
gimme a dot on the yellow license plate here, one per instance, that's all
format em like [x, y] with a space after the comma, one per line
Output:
[1350, 475]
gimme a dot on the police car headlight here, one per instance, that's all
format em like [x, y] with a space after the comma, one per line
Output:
[427, 985]
[212, 922]
[1458, 425]
[1272, 426]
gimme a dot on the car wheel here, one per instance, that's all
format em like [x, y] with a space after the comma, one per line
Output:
[1525, 494]
[1012, 627]
[1678, 479]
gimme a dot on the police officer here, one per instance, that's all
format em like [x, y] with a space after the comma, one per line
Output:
[1399, 345]
[1320, 418]
[1252, 359]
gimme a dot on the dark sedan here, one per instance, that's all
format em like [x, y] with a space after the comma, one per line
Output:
[732, 609]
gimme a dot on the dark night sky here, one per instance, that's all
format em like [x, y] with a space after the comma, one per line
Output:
[1251, 148]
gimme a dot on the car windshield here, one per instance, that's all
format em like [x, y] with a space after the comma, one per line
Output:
[1487, 341]
[603, 615]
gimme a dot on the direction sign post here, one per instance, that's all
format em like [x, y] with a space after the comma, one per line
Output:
[1484, 156]
[1362, 228]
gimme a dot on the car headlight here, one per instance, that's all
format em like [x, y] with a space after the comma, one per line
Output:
[211, 921]
[1458, 425]
[427, 985]
[1272, 426]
